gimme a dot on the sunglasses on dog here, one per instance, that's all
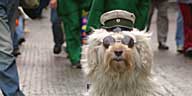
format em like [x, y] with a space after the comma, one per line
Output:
[127, 40]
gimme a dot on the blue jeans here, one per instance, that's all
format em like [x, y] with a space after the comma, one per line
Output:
[19, 33]
[179, 31]
[58, 34]
[9, 81]
[15, 40]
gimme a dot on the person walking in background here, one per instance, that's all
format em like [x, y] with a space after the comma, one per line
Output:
[162, 22]
[179, 33]
[186, 11]
[101, 6]
[70, 12]
[9, 80]
[58, 35]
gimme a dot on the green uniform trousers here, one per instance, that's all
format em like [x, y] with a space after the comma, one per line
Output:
[72, 27]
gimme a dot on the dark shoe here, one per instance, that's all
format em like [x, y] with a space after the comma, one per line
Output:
[57, 49]
[88, 86]
[180, 49]
[16, 52]
[21, 41]
[188, 52]
[163, 46]
[19, 93]
[76, 65]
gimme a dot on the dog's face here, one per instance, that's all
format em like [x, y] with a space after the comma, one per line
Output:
[118, 52]
[118, 60]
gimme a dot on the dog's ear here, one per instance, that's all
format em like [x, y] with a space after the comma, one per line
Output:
[146, 55]
[91, 55]
[144, 48]
[91, 64]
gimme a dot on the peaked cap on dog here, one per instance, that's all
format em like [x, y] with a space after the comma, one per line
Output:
[118, 18]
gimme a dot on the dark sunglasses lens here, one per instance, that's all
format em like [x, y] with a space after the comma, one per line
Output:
[128, 41]
[107, 41]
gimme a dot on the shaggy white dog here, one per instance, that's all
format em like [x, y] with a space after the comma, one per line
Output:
[119, 63]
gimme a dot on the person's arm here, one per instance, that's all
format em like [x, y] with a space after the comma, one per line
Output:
[53, 3]
[94, 15]
[142, 13]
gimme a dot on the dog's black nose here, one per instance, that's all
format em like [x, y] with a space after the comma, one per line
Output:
[118, 53]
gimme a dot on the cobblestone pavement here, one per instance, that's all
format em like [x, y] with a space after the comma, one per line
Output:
[172, 70]
[44, 74]
[41, 72]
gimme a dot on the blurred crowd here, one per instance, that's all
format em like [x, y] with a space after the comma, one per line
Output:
[71, 23]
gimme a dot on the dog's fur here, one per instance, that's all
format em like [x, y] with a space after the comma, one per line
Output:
[130, 77]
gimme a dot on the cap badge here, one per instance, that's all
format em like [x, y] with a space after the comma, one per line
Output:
[118, 20]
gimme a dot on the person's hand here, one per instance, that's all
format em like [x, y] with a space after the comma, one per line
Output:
[53, 3]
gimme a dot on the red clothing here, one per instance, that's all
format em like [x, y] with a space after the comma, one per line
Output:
[186, 11]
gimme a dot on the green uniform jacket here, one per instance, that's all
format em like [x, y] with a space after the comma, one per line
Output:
[66, 7]
[139, 7]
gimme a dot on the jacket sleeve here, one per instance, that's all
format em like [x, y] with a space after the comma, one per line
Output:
[86, 4]
[94, 15]
[142, 13]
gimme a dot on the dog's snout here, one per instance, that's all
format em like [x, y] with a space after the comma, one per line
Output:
[118, 53]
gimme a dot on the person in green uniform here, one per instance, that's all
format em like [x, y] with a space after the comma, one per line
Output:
[140, 8]
[70, 12]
